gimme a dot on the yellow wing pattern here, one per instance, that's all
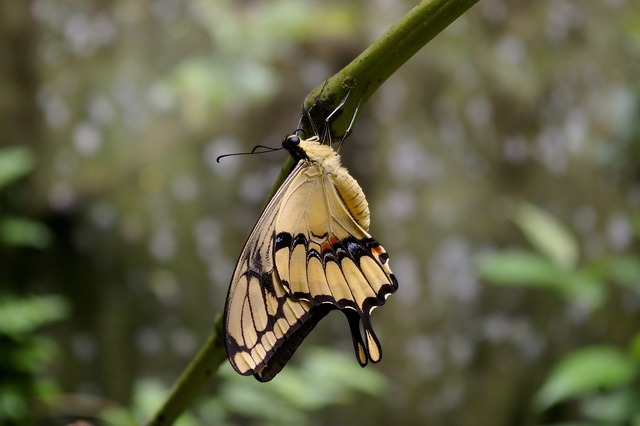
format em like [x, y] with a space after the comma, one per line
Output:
[308, 254]
[260, 318]
[324, 256]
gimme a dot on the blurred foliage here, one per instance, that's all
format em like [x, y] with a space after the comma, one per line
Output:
[15, 231]
[15, 163]
[554, 263]
[25, 353]
[604, 378]
[549, 237]
[24, 316]
[322, 379]
[208, 85]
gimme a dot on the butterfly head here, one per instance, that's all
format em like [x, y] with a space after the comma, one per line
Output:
[292, 144]
[313, 151]
[298, 147]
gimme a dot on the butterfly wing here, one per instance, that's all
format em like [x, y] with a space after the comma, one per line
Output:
[263, 324]
[325, 257]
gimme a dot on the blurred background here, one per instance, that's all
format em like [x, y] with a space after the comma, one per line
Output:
[501, 163]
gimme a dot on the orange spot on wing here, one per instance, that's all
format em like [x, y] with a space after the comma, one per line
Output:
[327, 244]
[377, 250]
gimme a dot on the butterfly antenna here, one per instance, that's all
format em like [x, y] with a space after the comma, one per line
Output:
[263, 148]
[300, 131]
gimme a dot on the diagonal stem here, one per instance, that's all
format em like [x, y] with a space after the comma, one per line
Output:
[366, 73]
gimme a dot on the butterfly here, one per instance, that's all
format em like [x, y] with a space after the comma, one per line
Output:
[308, 254]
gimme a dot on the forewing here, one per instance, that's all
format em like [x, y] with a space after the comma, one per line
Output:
[263, 324]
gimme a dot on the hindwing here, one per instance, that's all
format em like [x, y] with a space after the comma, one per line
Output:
[324, 256]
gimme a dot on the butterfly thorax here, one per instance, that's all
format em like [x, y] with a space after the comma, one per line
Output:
[313, 151]
[327, 161]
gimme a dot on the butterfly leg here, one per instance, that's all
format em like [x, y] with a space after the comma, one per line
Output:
[348, 131]
[307, 112]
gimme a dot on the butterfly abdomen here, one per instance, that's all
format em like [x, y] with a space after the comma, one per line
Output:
[350, 192]
[353, 197]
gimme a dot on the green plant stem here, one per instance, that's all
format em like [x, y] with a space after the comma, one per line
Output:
[193, 379]
[359, 80]
[366, 73]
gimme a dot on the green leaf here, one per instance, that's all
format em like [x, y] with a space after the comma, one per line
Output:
[15, 231]
[249, 399]
[290, 399]
[32, 354]
[15, 162]
[527, 269]
[615, 408]
[340, 376]
[585, 371]
[13, 405]
[547, 235]
[19, 316]
[583, 288]
[518, 268]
